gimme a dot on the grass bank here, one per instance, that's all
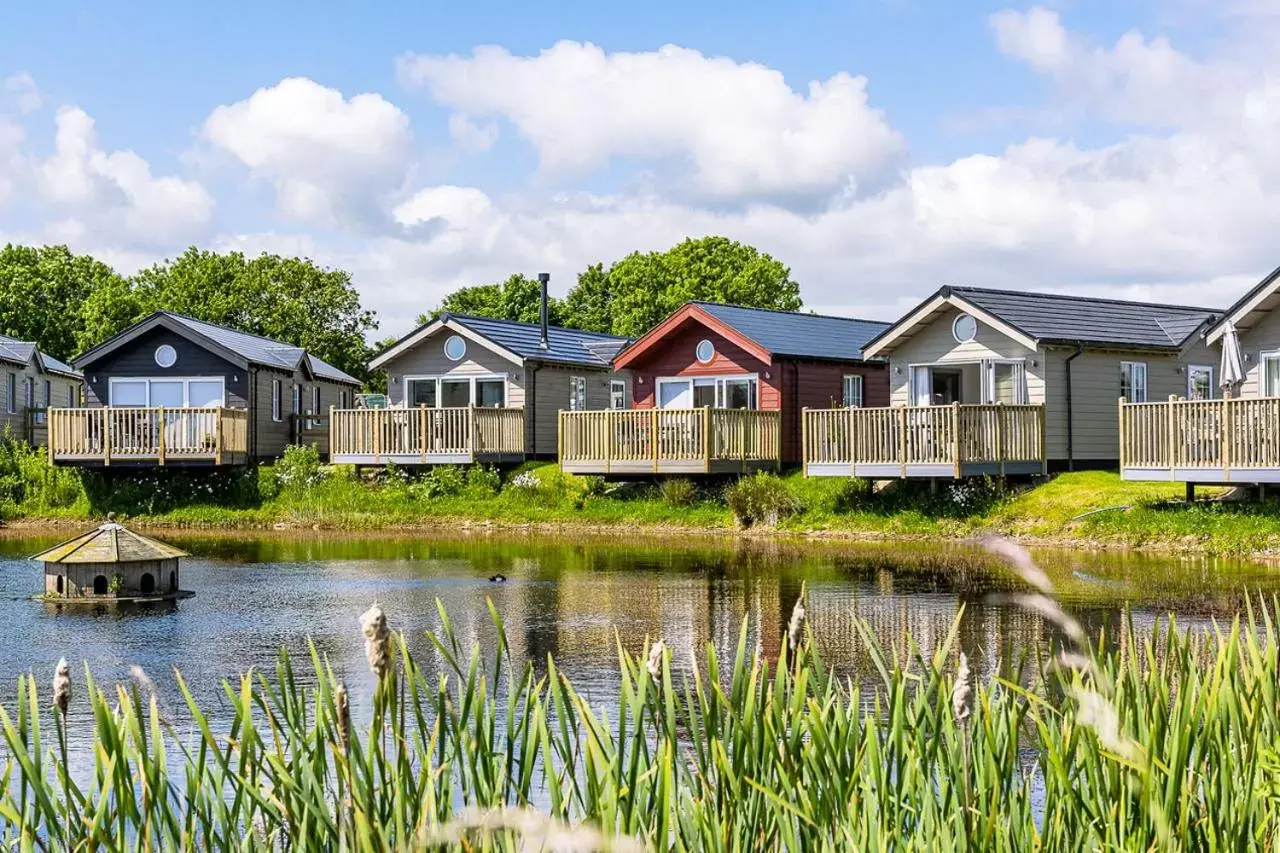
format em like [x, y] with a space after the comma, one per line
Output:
[1096, 508]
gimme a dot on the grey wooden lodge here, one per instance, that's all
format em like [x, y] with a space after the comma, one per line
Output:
[112, 563]
[173, 390]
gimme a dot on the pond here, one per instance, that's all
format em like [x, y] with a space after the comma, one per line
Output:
[571, 598]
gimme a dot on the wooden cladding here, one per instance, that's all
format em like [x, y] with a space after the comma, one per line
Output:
[148, 434]
[925, 440]
[1232, 440]
[425, 435]
[701, 440]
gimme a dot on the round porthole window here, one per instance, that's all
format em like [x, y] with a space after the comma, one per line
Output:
[964, 329]
[455, 347]
[705, 351]
[166, 356]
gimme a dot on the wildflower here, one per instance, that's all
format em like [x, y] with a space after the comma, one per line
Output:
[656, 651]
[960, 691]
[62, 687]
[795, 630]
[377, 640]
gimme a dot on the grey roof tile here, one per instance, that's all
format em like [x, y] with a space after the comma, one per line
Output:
[1055, 317]
[12, 349]
[260, 350]
[565, 346]
[798, 335]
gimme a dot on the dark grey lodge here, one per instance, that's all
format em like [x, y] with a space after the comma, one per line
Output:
[173, 390]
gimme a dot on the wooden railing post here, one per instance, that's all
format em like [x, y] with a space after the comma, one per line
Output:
[1171, 433]
[50, 434]
[706, 439]
[160, 448]
[376, 429]
[217, 437]
[804, 442]
[1224, 427]
[1000, 454]
[653, 436]
[106, 436]
[471, 429]
[955, 438]
[902, 441]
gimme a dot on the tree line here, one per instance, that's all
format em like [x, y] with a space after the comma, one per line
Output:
[67, 303]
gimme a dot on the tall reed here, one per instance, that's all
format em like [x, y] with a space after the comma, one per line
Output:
[1177, 750]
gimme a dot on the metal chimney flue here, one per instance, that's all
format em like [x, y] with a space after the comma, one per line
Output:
[543, 278]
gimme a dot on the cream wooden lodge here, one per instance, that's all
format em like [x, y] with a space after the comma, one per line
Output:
[31, 382]
[463, 389]
[1225, 427]
[993, 382]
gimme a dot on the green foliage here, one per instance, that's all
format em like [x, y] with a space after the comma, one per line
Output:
[288, 299]
[483, 482]
[761, 499]
[439, 482]
[28, 481]
[1168, 746]
[42, 291]
[678, 491]
[641, 289]
[518, 298]
[299, 467]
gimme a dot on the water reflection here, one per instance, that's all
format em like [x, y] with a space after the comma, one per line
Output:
[575, 601]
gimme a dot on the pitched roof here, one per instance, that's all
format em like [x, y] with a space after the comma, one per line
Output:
[20, 352]
[1046, 318]
[797, 335]
[523, 340]
[1248, 309]
[255, 349]
[110, 543]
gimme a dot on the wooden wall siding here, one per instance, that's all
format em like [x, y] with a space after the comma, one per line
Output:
[428, 359]
[820, 385]
[1264, 337]
[935, 343]
[273, 436]
[675, 357]
[551, 396]
[17, 421]
[137, 358]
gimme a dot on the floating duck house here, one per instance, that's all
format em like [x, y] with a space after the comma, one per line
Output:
[112, 563]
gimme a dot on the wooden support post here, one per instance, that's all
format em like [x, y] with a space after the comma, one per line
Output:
[1191, 493]
[1123, 417]
[653, 435]
[804, 442]
[902, 441]
[217, 437]
[1000, 454]
[422, 431]
[106, 436]
[160, 437]
[1044, 445]
[1224, 426]
[49, 418]
[609, 428]
[333, 432]
[706, 439]
[377, 432]
[1171, 434]
[955, 438]
[471, 430]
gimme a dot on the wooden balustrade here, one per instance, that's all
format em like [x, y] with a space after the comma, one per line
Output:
[669, 440]
[148, 434]
[1210, 441]
[925, 441]
[425, 436]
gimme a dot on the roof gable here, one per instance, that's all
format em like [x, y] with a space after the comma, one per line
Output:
[23, 353]
[1035, 319]
[1249, 309]
[516, 341]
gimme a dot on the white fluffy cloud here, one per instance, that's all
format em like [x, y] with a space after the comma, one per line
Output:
[23, 90]
[330, 158]
[736, 129]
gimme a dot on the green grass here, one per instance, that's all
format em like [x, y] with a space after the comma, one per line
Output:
[1084, 507]
[1171, 746]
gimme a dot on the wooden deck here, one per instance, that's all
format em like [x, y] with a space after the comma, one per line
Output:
[670, 441]
[423, 436]
[1201, 441]
[148, 436]
[928, 441]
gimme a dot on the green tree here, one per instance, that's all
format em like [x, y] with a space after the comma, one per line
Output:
[518, 298]
[42, 291]
[642, 288]
[289, 299]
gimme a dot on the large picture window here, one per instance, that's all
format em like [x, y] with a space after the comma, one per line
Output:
[447, 392]
[719, 392]
[191, 392]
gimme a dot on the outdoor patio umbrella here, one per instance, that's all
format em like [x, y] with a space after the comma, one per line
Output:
[1231, 371]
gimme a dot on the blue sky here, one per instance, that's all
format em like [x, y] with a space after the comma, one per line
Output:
[1119, 147]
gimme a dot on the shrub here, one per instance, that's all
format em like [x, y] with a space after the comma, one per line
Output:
[483, 482]
[28, 480]
[678, 491]
[442, 481]
[299, 467]
[594, 485]
[760, 499]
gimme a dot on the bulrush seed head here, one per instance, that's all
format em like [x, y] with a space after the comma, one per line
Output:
[377, 640]
[795, 630]
[960, 691]
[656, 651]
[62, 687]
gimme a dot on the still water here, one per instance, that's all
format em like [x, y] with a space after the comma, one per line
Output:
[571, 598]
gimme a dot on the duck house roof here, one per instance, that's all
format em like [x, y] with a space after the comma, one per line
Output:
[110, 543]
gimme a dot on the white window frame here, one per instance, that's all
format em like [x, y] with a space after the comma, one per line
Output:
[48, 393]
[297, 399]
[471, 378]
[277, 401]
[1263, 357]
[342, 398]
[577, 393]
[315, 400]
[186, 387]
[852, 390]
[617, 394]
[1191, 369]
[719, 381]
[1133, 375]
[72, 395]
[11, 394]
[986, 379]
